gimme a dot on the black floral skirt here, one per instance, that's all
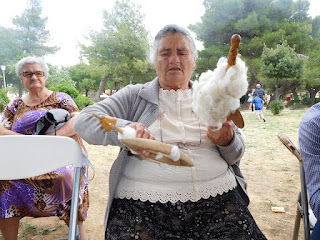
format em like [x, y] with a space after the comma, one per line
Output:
[221, 217]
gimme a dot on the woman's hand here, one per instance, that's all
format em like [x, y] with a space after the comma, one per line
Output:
[4, 131]
[222, 137]
[142, 132]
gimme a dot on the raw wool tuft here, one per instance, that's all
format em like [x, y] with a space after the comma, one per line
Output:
[217, 93]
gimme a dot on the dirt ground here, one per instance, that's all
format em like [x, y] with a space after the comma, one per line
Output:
[272, 173]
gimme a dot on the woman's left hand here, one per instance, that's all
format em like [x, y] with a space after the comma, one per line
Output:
[222, 137]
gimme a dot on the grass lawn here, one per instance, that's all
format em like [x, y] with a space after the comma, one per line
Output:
[271, 171]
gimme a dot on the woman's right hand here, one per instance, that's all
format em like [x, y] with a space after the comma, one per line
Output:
[142, 132]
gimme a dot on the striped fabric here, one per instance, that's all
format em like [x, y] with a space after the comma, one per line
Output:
[309, 141]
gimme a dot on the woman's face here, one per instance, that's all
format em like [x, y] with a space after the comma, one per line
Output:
[33, 83]
[174, 62]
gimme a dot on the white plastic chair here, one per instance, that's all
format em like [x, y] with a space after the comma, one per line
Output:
[24, 156]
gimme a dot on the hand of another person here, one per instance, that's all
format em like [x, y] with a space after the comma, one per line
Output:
[142, 132]
[222, 137]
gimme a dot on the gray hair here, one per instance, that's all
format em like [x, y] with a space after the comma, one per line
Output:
[172, 28]
[32, 60]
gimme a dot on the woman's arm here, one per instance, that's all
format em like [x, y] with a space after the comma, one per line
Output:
[117, 106]
[5, 131]
[229, 140]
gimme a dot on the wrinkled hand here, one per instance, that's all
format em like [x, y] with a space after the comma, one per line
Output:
[2, 129]
[222, 137]
[142, 132]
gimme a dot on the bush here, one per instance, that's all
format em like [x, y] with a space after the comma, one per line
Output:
[276, 107]
[66, 88]
[4, 100]
[83, 101]
[295, 104]
[306, 101]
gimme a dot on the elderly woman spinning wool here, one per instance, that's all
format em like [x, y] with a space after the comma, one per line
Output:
[48, 194]
[153, 200]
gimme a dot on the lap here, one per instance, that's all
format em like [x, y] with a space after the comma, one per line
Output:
[221, 217]
[45, 195]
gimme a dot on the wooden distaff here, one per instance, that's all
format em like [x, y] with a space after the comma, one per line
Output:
[236, 117]
[233, 52]
[153, 146]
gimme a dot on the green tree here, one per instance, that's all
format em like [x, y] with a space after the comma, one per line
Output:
[87, 77]
[29, 37]
[121, 47]
[312, 76]
[32, 33]
[283, 68]
[260, 23]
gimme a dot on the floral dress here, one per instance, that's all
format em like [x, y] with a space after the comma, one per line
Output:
[48, 194]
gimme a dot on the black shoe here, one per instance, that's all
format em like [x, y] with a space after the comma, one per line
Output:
[264, 120]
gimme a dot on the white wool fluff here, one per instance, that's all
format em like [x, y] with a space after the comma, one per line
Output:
[128, 132]
[175, 153]
[217, 93]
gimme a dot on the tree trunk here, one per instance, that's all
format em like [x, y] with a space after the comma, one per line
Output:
[96, 97]
[295, 94]
[278, 92]
[313, 92]
[254, 78]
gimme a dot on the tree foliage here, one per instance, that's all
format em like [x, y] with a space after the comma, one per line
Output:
[121, 47]
[283, 68]
[29, 37]
[31, 28]
[260, 23]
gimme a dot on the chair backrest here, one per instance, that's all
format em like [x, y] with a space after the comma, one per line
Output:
[24, 156]
[307, 215]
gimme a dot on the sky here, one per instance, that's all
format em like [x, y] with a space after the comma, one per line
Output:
[69, 21]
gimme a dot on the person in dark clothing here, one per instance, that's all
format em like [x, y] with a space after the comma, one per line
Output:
[260, 91]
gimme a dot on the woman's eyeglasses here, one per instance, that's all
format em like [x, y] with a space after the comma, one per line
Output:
[30, 74]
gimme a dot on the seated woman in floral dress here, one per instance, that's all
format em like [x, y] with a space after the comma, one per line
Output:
[48, 194]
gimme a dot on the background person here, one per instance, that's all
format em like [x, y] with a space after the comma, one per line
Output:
[148, 200]
[258, 107]
[260, 91]
[45, 197]
[309, 142]
[250, 95]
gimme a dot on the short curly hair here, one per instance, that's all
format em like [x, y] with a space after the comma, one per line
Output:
[172, 28]
[32, 60]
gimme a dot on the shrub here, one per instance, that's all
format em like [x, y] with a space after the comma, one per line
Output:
[83, 101]
[276, 107]
[66, 88]
[306, 101]
[295, 104]
[4, 100]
